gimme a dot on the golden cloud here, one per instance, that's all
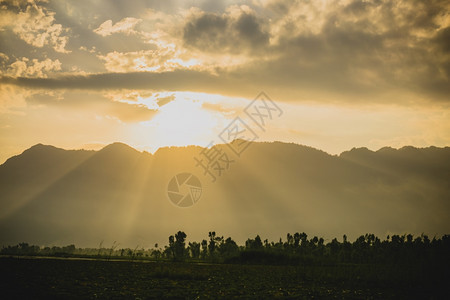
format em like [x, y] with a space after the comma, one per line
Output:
[125, 25]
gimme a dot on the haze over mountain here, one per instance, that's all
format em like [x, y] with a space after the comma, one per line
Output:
[54, 196]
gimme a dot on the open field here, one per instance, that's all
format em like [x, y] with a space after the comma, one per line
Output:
[76, 278]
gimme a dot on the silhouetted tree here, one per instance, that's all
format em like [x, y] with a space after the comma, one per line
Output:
[194, 249]
[255, 244]
[212, 242]
[228, 249]
[171, 248]
[367, 249]
[156, 253]
[177, 246]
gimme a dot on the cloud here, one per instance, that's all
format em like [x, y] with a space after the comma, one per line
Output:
[165, 100]
[145, 60]
[165, 58]
[130, 112]
[32, 68]
[125, 25]
[236, 30]
[12, 99]
[324, 51]
[174, 80]
[338, 51]
[128, 96]
[3, 61]
[33, 24]
[3, 57]
[229, 111]
[92, 103]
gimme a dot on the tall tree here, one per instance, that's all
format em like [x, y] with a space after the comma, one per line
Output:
[179, 245]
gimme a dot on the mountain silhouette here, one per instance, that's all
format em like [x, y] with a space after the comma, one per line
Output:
[54, 196]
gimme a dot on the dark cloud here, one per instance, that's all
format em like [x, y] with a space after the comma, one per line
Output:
[249, 28]
[356, 51]
[176, 80]
[179, 80]
[212, 5]
[207, 32]
[442, 40]
[289, 80]
[363, 48]
[226, 32]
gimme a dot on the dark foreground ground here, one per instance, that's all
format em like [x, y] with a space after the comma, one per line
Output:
[24, 278]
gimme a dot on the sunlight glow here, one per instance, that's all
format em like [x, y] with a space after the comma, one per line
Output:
[183, 122]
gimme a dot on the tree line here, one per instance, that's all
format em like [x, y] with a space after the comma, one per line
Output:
[296, 249]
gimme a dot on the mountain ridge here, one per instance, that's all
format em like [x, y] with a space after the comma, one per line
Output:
[126, 146]
[50, 195]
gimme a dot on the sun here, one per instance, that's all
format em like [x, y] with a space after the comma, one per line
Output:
[183, 122]
[186, 118]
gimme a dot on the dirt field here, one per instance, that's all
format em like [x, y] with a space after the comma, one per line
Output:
[73, 279]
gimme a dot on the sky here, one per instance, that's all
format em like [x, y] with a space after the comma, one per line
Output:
[84, 74]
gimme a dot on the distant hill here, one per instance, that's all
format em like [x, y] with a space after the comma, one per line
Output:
[55, 196]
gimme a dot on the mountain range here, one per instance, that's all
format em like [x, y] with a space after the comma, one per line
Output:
[52, 196]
